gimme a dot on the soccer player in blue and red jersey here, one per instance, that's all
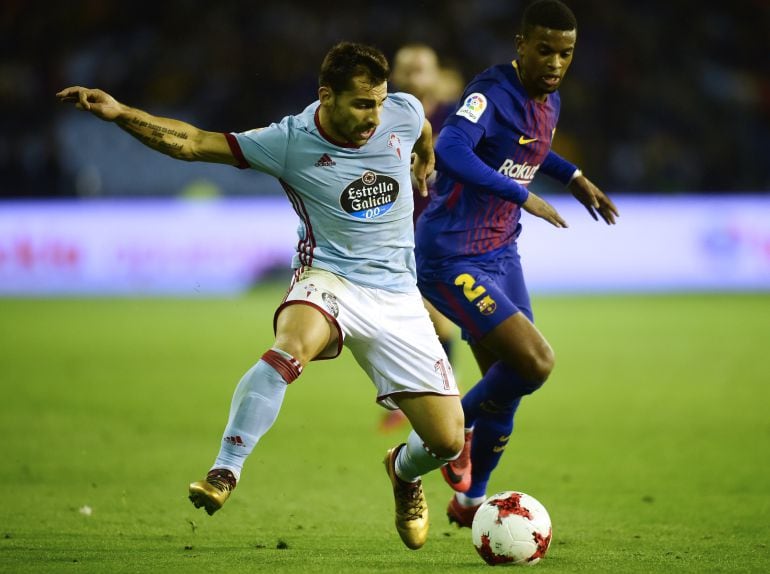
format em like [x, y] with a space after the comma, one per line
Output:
[487, 153]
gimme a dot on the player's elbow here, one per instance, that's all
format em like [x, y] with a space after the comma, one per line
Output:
[186, 154]
[192, 149]
[173, 148]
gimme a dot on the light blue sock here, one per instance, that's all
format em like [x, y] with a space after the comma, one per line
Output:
[254, 408]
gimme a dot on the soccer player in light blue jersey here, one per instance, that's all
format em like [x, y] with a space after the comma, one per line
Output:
[468, 265]
[344, 163]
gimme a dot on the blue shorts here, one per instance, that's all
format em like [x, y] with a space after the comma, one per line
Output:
[478, 295]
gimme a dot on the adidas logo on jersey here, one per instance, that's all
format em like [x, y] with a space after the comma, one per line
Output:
[325, 161]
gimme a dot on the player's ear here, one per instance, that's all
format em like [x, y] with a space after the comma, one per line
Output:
[518, 40]
[325, 94]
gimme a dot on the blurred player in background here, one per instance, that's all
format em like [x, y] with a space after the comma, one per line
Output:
[416, 71]
[344, 163]
[468, 265]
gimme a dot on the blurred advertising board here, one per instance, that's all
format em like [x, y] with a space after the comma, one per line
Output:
[224, 246]
[660, 243]
[143, 247]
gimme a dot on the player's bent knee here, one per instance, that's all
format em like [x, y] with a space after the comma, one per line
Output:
[542, 366]
[446, 452]
[448, 447]
[446, 442]
[536, 369]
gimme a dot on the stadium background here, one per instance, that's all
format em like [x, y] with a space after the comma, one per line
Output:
[648, 445]
[664, 96]
[666, 107]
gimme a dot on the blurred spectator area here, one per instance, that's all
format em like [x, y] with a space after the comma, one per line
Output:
[664, 96]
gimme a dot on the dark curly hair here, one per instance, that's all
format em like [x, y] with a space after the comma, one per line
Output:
[552, 14]
[346, 60]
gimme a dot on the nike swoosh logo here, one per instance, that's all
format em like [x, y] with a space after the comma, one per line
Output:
[452, 476]
[525, 141]
[503, 439]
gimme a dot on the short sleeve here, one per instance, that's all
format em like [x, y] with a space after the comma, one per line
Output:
[264, 149]
[414, 106]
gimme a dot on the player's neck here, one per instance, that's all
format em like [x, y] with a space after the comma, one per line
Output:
[327, 129]
[533, 94]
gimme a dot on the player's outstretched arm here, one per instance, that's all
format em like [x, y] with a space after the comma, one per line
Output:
[175, 138]
[593, 199]
[424, 158]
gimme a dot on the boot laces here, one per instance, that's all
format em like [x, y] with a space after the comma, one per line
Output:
[411, 500]
[221, 479]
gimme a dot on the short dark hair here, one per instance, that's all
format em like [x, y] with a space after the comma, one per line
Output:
[552, 14]
[346, 60]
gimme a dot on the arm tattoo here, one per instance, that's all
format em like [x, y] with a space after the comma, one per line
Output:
[152, 135]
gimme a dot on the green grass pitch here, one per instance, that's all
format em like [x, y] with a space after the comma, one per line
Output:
[649, 445]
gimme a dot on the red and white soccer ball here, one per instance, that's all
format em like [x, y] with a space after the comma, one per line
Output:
[511, 528]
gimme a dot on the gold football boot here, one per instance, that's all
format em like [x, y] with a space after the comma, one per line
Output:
[411, 506]
[213, 491]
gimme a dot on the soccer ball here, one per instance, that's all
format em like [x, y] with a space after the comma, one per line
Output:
[511, 528]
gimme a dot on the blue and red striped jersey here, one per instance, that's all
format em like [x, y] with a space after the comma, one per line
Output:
[476, 211]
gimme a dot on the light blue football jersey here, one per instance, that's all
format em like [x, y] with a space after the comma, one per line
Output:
[354, 204]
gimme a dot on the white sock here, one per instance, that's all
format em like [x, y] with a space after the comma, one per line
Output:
[254, 408]
[469, 500]
[414, 460]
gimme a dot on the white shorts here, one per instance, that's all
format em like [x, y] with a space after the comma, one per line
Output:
[390, 334]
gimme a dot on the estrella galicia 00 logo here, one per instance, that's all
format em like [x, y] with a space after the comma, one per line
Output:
[370, 196]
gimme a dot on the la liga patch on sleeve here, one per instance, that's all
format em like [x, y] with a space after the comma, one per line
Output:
[473, 107]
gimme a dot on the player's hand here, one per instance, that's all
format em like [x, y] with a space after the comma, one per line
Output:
[430, 180]
[544, 210]
[99, 103]
[594, 200]
[422, 168]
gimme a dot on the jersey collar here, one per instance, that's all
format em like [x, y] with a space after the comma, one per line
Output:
[326, 136]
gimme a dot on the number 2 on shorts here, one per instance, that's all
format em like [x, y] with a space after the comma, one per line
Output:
[470, 289]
